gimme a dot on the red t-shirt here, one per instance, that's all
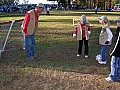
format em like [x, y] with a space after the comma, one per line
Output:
[83, 29]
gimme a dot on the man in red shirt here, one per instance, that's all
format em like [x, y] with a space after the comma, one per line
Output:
[29, 27]
[82, 32]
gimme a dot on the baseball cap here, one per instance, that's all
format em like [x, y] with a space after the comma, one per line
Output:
[103, 18]
[40, 5]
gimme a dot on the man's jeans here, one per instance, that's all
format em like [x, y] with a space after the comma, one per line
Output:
[103, 52]
[30, 45]
[115, 68]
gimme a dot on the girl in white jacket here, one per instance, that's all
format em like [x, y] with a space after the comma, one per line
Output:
[105, 39]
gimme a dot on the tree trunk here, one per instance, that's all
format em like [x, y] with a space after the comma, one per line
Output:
[69, 4]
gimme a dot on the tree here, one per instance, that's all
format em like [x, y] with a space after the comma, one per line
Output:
[113, 2]
[103, 4]
[82, 3]
[7, 2]
[62, 3]
[69, 3]
[25, 1]
[4, 2]
[51, 0]
[16, 2]
[117, 1]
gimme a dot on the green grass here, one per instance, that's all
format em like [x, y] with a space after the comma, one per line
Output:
[56, 66]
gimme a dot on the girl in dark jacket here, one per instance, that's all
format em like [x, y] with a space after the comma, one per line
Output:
[115, 60]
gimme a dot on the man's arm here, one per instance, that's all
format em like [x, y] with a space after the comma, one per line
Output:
[25, 23]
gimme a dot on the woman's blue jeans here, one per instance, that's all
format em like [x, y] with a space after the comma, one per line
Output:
[30, 45]
[103, 52]
[115, 68]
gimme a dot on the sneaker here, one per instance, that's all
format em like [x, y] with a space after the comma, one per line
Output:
[108, 79]
[35, 56]
[102, 62]
[30, 58]
[23, 48]
[86, 56]
[78, 55]
[98, 57]
[118, 78]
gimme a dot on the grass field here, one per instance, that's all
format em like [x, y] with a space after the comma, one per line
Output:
[56, 66]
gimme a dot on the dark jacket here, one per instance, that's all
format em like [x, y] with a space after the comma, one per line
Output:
[116, 49]
[117, 34]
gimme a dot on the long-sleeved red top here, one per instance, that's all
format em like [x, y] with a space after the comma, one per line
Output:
[27, 20]
[83, 29]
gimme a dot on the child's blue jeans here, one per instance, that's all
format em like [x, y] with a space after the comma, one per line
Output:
[115, 68]
[103, 52]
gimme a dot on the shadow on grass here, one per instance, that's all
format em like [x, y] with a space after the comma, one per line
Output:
[11, 15]
[56, 49]
[56, 65]
[80, 12]
[57, 55]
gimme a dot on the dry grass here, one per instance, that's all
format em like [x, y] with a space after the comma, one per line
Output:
[56, 66]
